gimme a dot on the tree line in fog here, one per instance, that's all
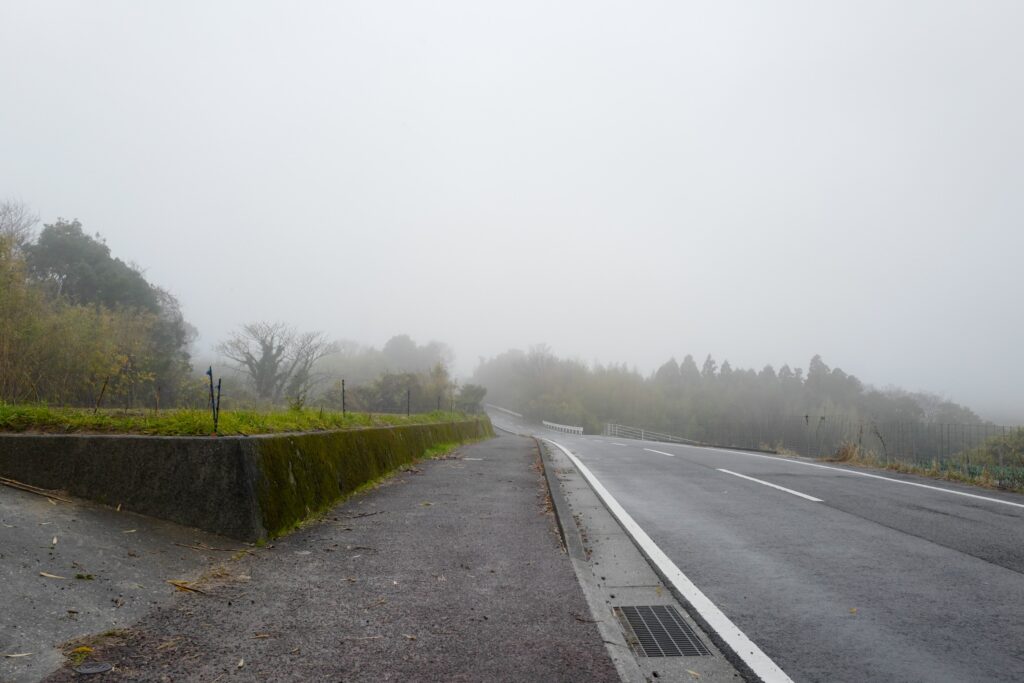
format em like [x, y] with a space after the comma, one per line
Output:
[699, 401]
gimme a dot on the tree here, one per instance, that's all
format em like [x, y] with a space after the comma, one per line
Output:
[17, 224]
[80, 268]
[710, 368]
[278, 360]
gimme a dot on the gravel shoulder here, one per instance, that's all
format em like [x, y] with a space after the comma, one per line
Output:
[452, 570]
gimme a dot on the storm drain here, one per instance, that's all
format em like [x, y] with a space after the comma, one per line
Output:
[659, 631]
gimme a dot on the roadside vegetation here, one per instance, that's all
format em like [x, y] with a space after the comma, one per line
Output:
[82, 328]
[996, 464]
[188, 422]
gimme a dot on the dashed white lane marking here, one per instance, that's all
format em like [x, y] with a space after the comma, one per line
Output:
[760, 663]
[617, 444]
[671, 455]
[860, 474]
[774, 486]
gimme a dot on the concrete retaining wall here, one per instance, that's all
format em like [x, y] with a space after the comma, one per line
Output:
[249, 488]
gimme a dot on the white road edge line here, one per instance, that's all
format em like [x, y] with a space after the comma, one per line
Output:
[859, 474]
[760, 663]
[774, 486]
[671, 455]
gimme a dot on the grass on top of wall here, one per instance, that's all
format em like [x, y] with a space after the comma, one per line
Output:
[185, 422]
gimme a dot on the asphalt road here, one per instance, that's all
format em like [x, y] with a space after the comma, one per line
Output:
[837, 576]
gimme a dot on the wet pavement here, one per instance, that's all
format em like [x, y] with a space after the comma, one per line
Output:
[452, 570]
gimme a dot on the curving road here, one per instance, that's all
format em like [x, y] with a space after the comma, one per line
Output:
[839, 574]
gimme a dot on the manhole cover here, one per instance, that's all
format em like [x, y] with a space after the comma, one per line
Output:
[659, 631]
[90, 668]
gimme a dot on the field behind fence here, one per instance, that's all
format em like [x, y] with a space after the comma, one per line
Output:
[987, 453]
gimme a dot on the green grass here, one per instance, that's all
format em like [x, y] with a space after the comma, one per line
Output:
[44, 419]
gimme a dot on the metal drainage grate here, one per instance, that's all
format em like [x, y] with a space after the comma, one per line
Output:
[659, 631]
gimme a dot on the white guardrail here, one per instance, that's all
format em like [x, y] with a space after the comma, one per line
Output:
[503, 410]
[624, 432]
[567, 429]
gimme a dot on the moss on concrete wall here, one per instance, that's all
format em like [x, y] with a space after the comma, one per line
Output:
[249, 488]
[303, 474]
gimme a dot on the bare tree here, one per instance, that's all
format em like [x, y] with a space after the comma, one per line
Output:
[17, 223]
[278, 360]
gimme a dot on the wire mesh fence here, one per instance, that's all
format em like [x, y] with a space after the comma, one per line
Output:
[993, 453]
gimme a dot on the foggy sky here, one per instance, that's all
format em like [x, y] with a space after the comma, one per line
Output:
[623, 181]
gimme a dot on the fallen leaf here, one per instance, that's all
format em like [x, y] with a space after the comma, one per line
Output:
[54, 541]
[261, 636]
[853, 610]
[129, 531]
[241, 663]
[85, 649]
[85, 577]
[183, 586]
[51, 576]
[693, 673]
[409, 636]
[20, 654]
[118, 507]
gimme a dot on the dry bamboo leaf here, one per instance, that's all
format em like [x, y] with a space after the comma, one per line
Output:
[183, 586]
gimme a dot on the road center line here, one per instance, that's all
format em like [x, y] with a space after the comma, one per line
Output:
[774, 486]
[760, 663]
[671, 455]
[860, 474]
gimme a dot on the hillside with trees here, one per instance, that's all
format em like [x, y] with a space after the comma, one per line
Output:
[789, 408]
[79, 326]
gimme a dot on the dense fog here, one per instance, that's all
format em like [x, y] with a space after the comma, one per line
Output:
[627, 183]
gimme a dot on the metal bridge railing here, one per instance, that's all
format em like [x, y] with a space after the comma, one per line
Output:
[626, 432]
[567, 429]
[503, 410]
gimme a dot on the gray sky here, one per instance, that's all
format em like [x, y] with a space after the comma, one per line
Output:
[623, 181]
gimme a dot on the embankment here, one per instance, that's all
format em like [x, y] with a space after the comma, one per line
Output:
[249, 488]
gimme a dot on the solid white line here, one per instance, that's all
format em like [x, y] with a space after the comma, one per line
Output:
[859, 474]
[671, 455]
[744, 648]
[774, 486]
